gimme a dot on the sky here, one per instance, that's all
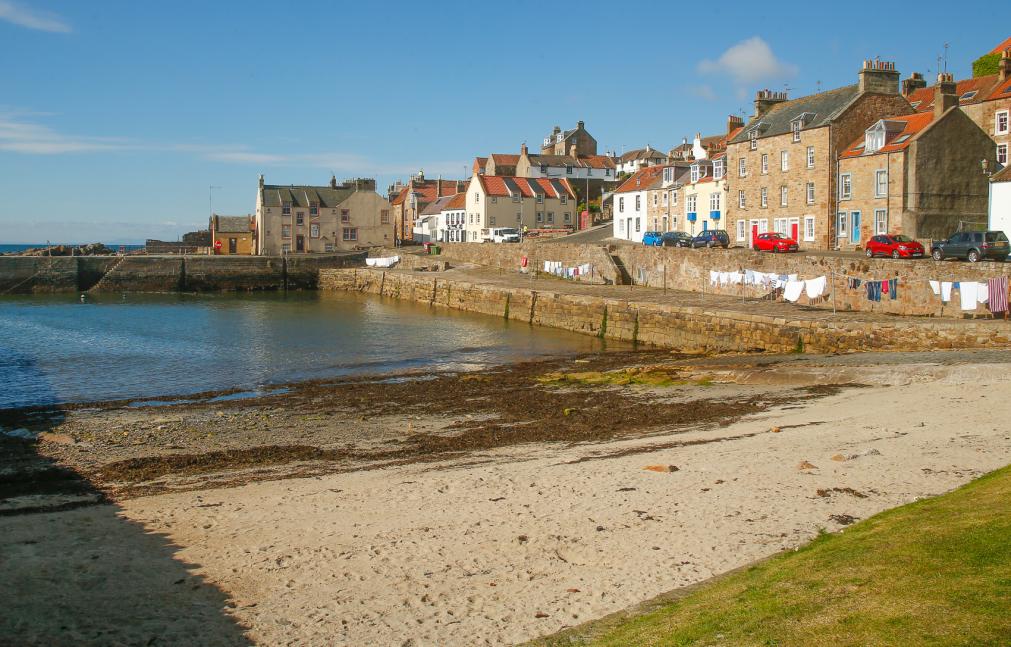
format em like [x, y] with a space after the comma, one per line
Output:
[118, 117]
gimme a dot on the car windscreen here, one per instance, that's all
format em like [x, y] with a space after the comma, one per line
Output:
[506, 232]
[902, 239]
[994, 236]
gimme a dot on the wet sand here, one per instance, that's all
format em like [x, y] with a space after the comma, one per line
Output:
[487, 508]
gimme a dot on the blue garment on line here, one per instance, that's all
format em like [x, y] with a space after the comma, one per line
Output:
[893, 288]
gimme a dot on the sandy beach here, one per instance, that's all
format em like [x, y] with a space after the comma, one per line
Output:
[498, 542]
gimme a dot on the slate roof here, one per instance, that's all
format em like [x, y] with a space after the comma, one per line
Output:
[913, 125]
[825, 106]
[642, 180]
[642, 153]
[1003, 175]
[232, 224]
[275, 195]
[436, 207]
[583, 161]
[922, 99]
[507, 186]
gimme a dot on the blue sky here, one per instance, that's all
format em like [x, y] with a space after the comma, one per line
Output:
[116, 116]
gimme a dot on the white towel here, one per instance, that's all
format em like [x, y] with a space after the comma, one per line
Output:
[815, 287]
[736, 278]
[936, 287]
[793, 290]
[982, 292]
[945, 291]
[967, 291]
[713, 277]
[547, 266]
[749, 277]
[724, 278]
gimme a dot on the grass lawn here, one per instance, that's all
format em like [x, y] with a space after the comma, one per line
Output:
[934, 572]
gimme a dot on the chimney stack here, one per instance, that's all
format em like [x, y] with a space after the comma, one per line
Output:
[579, 125]
[733, 122]
[438, 187]
[333, 181]
[1005, 65]
[879, 77]
[261, 181]
[572, 150]
[765, 99]
[459, 186]
[523, 149]
[913, 83]
[944, 94]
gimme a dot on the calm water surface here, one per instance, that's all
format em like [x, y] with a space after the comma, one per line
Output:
[57, 349]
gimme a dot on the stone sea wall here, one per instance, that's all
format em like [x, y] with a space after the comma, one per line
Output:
[42, 274]
[688, 269]
[677, 327]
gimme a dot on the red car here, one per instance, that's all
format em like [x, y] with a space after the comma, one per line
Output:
[775, 242]
[895, 246]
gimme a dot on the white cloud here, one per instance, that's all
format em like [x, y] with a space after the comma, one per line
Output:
[245, 157]
[32, 19]
[19, 136]
[749, 61]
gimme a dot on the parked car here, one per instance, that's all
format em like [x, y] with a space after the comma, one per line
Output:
[676, 239]
[972, 245]
[896, 246]
[712, 238]
[503, 235]
[652, 238]
[774, 242]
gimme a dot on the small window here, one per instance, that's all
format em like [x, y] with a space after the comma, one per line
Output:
[568, 170]
[880, 221]
[494, 199]
[810, 192]
[286, 209]
[783, 195]
[741, 199]
[968, 95]
[314, 230]
[742, 167]
[810, 156]
[384, 217]
[638, 202]
[313, 209]
[753, 140]
[808, 228]
[741, 230]
[477, 197]
[880, 183]
[345, 215]
[349, 234]
[540, 216]
[1001, 122]
[300, 218]
[765, 163]
[1002, 154]
[568, 217]
[764, 197]
[796, 130]
[285, 231]
[845, 186]
[784, 160]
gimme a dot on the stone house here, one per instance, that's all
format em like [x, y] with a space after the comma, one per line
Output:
[523, 203]
[918, 175]
[631, 199]
[589, 175]
[410, 199]
[561, 142]
[634, 160]
[664, 203]
[303, 219]
[443, 220]
[781, 165]
[985, 99]
[232, 235]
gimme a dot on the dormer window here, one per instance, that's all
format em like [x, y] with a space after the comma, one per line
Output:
[874, 138]
[718, 169]
[668, 174]
[544, 168]
[795, 127]
[313, 209]
[915, 105]
[753, 137]
[696, 173]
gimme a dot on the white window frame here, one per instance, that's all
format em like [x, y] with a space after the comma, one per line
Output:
[692, 201]
[795, 126]
[673, 198]
[997, 118]
[718, 170]
[638, 202]
[841, 218]
[714, 201]
[764, 198]
[621, 204]
[810, 156]
[880, 222]
[753, 140]
[741, 230]
[1002, 154]
[742, 167]
[784, 196]
[784, 160]
[808, 229]
[765, 163]
[314, 230]
[878, 174]
[695, 173]
[845, 186]
[741, 199]
[810, 192]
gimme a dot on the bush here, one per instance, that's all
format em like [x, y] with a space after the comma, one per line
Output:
[986, 65]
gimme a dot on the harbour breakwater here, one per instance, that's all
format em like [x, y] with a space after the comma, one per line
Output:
[44, 274]
[666, 325]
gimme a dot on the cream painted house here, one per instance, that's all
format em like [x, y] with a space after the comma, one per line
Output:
[301, 219]
[524, 203]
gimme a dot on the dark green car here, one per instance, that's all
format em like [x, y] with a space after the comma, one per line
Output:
[973, 246]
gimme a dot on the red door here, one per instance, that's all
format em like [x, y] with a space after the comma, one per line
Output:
[754, 234]
[794, 230]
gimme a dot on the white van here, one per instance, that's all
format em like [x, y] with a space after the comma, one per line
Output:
[503, 235]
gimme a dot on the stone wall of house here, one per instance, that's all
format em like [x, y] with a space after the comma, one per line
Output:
[666, 325]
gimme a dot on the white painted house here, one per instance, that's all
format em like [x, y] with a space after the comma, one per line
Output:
[1000, 201]
[631, 204]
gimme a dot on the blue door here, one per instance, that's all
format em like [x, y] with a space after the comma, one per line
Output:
[855, 227]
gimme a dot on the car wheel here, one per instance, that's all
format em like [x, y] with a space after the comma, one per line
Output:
[895, 253]
[937, 254]
[869, 253]
[973, 256]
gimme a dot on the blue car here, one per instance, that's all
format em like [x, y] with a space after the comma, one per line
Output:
[652, 238]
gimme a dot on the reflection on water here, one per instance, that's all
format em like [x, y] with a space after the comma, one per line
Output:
[141, 346]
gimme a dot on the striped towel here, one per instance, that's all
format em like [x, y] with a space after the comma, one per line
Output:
[998, 294]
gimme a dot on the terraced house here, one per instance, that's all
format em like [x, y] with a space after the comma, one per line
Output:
[781, 167]
[303, 219]
[520, 202]
[407, 201]
[631, 205]
[917, 174]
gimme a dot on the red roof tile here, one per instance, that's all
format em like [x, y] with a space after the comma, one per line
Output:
[496, 185]
[426, 191]
[923, 99]
[506, 159]
[914, 124]
[479, 164]
[1003, 46]
[641, 180]
[597, 161]
[458, 201]
[1001, 91]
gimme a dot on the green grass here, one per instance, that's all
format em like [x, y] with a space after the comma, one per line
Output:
[934, 572]
[622, 377]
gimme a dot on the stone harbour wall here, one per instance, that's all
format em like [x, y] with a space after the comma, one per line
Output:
[508, 256]
[141, 273]
[685, 328]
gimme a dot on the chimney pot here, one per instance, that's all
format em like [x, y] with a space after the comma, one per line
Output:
[945, 96]
[879, 77]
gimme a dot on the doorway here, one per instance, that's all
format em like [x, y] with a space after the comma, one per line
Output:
[300, 243]
[855, 227]
[233, 246]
